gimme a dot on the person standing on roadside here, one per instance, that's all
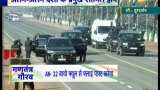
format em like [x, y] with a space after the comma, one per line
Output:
[83, 51]
[19, 51]
[28, 47]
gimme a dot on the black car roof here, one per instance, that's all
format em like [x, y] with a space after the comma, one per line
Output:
[72, 31]
[58, 37]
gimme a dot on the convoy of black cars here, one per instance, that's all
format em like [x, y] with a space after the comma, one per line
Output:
[73, 43]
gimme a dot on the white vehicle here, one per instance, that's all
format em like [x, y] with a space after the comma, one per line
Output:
[99, 31]
[14, 17]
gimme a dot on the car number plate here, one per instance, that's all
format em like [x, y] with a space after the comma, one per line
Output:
[133, 48]
[61, 59]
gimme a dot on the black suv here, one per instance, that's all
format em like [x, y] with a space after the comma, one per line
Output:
[130, 42]
[40, 46]
[76, 39]
[38, 36]
[112, 40]
[86, 33]
[60, 49]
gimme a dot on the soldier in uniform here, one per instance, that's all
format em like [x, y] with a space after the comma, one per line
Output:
[17, 47]
[28, 47]
[83, 52]
[19, 44]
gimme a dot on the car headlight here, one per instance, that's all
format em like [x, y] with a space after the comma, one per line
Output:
[142, 44]
[49, 51]
[115, 41]
[125, 44]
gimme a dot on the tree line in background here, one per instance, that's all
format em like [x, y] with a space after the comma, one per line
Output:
[87, 14]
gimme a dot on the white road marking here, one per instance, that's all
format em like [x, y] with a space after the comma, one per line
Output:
[134, 65]
[129, 63]
[122, 83]
[67, 86]
[31, 28]
[10, 37]
[129, 86]
[27, 33]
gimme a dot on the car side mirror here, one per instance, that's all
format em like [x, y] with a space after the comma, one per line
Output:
[33, 43]
[95, 32]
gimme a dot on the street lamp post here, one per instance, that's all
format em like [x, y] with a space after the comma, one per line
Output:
[147, 20]
[107, 12]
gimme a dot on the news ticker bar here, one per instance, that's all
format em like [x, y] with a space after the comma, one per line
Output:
[141, 10]
[65, 73]
[59, 2]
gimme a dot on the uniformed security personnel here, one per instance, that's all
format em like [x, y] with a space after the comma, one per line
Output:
[19, 44]
[83, 52]
[17, 48]
[28, 47]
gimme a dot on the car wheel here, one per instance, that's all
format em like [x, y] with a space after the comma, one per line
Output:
[117, 51]
[111, 49]
[108, 48]
[36, 54]
[137, 54]
[92, 45]
[96, 46]
[141, 54]
[121, 52]
[45, 58]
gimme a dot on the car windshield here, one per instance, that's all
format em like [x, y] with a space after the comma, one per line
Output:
[44, 36]
[103, 29]
[42, 41]
[72, 35]
[82, 29]
[76, 41]
[130, 36]
[114, 35]
[59, 43]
